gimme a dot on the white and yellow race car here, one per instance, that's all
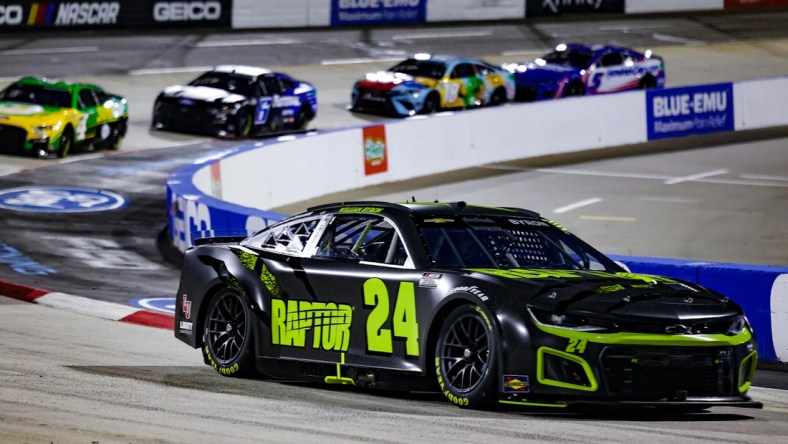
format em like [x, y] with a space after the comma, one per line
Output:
[41, 117]
[427, 83]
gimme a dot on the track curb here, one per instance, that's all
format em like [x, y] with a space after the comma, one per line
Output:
[86, 306]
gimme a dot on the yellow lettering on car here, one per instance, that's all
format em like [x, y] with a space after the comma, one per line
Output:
[404, 323]
[328, 322]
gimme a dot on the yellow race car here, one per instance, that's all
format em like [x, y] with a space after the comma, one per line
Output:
[41, 117]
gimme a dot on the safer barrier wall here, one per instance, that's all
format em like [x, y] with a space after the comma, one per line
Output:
[226, 193]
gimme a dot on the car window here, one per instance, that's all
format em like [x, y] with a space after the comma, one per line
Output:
[483, 70]
[37, 95]
[289, 237]
[362, 238]
[272, 85]
[87, 99]
[610, 59]
[420, 68]
[286, 83]
[462, 71]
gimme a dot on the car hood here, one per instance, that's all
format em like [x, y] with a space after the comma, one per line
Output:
[201, 94]
[549, 71]
[389, 80]
[25, 114]
[614, 295]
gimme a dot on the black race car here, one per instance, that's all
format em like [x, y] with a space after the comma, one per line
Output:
[234, 100]
[488, 305]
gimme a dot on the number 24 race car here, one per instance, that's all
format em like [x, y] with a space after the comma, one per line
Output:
[489, 306]
[577, 69]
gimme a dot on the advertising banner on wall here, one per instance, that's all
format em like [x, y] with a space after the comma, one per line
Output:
[374, 12]
[375, 159]
[692, 110]
[536, 8]
[23, 14]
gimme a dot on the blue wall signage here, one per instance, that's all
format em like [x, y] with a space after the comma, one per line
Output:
[369, 12]
[59, 199]
[678, 112]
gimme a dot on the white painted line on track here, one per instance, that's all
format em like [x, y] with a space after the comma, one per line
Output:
[38, 51]
[675, 39]
[763, 177]
[155, 71]
[359, 60]
[252, 42]
[576, 205]
[10, 172]
[668, 200]
[609, 218]
[629, 27]
[703, 178]
[81, 157]
[694, 177]
[442, 35]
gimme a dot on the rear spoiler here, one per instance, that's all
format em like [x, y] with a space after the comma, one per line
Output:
[218, 240]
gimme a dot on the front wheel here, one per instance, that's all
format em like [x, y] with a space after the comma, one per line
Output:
[574, 89]
[227, 336]
[243, 123]
[66, 142]
[431, 104]
[647, 82]
[465, 355]
[498, 97]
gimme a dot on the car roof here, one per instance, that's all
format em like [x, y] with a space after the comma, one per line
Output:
[243, 70]
[443, 58]
[596, 48]
[51, 83]
[424, 208]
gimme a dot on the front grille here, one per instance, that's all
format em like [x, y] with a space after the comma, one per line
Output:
[12, 139]
[195, 117]
[374, 100]
[671, 326]
[668, 373]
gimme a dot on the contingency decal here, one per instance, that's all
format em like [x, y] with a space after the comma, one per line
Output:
[516, 384]
[375, 158]
[43, 199]
[328, 322]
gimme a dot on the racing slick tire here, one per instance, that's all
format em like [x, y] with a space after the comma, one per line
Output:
[66, 142]
[575, 88]
[228, 345]
[116, 132]
[465, 358]
[647, 82]
[431, 104]
[498, 97]
[243, 123]
[302, 118]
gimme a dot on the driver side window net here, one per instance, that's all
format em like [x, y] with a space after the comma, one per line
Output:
[362, 238]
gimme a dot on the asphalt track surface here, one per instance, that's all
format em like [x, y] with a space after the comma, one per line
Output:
[70, 378]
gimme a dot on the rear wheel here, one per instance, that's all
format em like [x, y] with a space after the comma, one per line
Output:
[66, 143]
[574, 89]
[647, 82]
[465, 356]
[227, 335]
[498, 97]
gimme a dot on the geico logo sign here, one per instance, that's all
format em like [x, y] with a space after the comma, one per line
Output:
[186, 11]
[11, 14]
[103, 13]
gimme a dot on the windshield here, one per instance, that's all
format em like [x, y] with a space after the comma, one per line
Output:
[37, 95]
[570, 57]
[420, 68]
[233, 83]
[507, 242]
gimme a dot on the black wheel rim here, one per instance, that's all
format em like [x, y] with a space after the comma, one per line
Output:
[465, 353]
[226, 328]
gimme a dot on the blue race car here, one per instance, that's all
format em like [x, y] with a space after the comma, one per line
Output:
[234, 100]
[578, 69]
[427, 83]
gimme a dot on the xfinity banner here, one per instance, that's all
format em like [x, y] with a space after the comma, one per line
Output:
[23, 14]
[536, 8]
[372, 12]
[678, 112]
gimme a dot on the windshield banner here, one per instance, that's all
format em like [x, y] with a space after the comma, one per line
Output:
[368, 12]
[678, 112]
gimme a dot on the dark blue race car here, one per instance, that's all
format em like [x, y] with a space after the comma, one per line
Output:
[234, 100]
[578, 69]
